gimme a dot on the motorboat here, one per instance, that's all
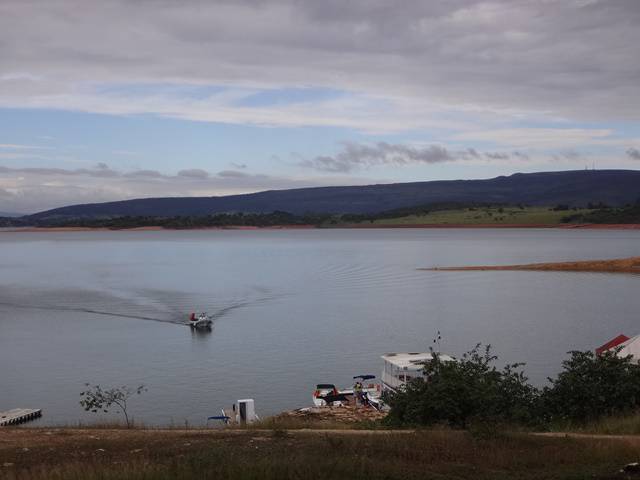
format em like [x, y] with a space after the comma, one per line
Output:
[327, 394]
[369, 393]
[201, 321]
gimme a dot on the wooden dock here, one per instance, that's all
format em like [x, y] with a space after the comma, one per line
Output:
[19, 415]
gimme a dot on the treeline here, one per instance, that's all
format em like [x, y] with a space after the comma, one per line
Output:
[472, 392]
[599, 213]
[605, 214]
[219, 220]
[13, 222]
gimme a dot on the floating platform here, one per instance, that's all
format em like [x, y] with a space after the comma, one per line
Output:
[19, 415]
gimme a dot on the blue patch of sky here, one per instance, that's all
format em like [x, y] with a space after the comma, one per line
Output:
[196, 92]
[77, 139]
[286, 96]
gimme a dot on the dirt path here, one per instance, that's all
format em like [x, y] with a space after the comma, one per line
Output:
[588, 436]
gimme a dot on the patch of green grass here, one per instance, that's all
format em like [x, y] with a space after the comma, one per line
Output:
[486, 215]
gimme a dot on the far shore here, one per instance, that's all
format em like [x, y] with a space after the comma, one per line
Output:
[622, 265]
[150, 228]
[588, 226]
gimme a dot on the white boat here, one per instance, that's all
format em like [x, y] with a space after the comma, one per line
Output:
[201, 321]
[327, 393]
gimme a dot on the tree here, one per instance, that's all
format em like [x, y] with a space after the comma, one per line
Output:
[590, 386]
[463, 391]
[94, 398]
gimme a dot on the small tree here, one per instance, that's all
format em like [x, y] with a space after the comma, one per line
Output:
[94, 398]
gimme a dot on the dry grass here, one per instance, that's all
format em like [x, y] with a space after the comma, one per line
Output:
[296, 423]
[172, 454]
[347, 417]
[485, 216]
[618, 425]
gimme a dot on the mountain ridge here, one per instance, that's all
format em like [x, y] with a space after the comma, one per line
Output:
[573, 188]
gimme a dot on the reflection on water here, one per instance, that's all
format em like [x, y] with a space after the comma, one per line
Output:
[290, 309]
[201, 333]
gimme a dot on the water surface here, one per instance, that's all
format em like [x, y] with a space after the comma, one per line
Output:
[293, 308]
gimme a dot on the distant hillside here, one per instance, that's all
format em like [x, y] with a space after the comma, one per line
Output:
[572, 188]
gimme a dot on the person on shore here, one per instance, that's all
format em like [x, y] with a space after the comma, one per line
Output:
[357, 393]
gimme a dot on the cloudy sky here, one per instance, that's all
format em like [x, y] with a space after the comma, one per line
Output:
[104, 100]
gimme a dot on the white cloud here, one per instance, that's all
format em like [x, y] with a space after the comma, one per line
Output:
[14, 146]
[545, 138]
[406, 67]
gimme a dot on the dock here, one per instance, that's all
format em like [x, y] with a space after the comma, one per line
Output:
[19, 415]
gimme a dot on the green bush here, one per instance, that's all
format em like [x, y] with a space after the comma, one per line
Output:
[470, 390]
[471, 393]
[591, 386]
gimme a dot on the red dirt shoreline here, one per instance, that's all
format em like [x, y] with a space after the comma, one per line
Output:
[603, 226]
[586, 226]
[621, 265]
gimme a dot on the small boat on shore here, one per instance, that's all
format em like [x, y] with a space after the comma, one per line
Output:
[399, 369]
[200, 322]
[326, 394]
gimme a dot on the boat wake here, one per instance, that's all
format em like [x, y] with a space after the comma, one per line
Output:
[156, 306]
[83, 310]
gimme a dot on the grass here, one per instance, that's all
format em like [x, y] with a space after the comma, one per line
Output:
[294, 423]
[158, 455]
[486, 215]
[617, 425]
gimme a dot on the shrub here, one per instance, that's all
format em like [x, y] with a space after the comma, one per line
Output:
[471, 389]
[591, 386]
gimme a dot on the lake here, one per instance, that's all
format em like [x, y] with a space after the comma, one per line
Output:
[292, 308]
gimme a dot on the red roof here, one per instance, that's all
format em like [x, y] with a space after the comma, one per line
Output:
[612, 343]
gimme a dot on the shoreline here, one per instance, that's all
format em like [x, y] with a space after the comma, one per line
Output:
[621, 265]
[151, 228]
[155, 228]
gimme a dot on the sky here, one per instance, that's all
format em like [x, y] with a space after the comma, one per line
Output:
[119, 99]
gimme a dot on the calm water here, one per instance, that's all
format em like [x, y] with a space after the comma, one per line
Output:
[293, 308]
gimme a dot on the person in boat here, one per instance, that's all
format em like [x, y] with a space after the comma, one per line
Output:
[192, 317]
